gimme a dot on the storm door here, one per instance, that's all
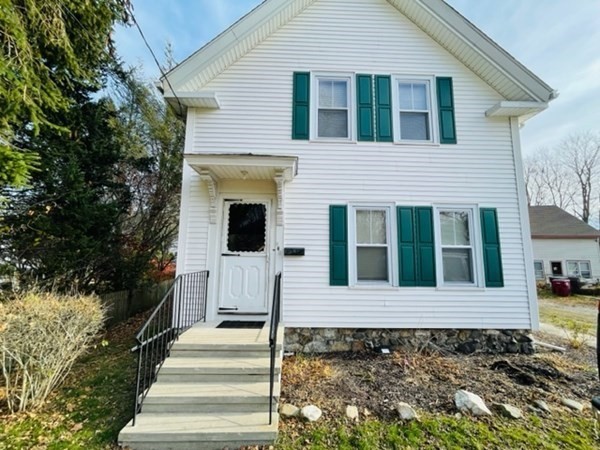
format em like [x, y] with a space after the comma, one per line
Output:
[244, 257]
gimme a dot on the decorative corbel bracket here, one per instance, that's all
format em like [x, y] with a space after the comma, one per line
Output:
[279, 179]
[213, 189]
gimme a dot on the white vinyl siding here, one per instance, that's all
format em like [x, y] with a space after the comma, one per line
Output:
[255, 117]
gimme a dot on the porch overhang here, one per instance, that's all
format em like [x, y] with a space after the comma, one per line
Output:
[523, 110]
[181, 101]
[213, 168]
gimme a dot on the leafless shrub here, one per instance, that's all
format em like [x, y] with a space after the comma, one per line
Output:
[41, 336]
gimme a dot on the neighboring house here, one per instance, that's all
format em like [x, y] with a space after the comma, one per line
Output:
[563, 244]
[369, 151]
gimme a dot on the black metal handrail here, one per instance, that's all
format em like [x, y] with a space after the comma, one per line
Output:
[275, 311]
[183, 305]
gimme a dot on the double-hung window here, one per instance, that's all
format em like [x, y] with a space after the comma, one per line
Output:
[538, 267]
[413, 112]
[333, 100]
[456, 230]
[579, 269]
[372, 262]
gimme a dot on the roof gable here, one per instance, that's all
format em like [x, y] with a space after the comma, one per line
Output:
[553, 222]
[437, 19]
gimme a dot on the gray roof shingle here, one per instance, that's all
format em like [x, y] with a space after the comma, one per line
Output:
[553, 222]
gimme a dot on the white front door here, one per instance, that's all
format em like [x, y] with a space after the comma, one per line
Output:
[244, 257]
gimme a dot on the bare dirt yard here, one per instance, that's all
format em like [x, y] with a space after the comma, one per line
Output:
[375, 383]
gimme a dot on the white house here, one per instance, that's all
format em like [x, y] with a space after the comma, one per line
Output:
[369, 151]
[563, 245]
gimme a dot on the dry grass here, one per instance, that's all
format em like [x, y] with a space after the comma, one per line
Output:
[560, 362]
[304, 370]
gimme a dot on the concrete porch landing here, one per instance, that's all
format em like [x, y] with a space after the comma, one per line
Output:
[212, 392]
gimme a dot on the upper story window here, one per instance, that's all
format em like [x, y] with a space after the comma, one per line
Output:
[413, 113]
[333, 107]
[342, 107]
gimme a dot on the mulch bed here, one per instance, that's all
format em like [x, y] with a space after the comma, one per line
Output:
[429, 381]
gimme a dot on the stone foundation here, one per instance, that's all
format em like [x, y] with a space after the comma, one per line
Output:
[323, 340]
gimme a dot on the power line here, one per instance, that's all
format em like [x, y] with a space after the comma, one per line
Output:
[162, 72]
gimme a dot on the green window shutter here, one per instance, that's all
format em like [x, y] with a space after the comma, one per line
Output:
[425, 247]
[364, 101]
[338, 245]
[492, 257]
[407, 254]
[416, 249]
[383, 101]
[301, 106]
[445, 97]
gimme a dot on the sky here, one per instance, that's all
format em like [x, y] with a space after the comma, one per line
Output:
[559, 40]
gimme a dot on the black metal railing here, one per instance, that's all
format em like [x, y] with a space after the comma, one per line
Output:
[183, 305]
[275, 312]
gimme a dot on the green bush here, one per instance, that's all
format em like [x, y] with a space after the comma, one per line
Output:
[41, 336]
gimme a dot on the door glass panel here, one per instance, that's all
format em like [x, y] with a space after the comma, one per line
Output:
[247, 227]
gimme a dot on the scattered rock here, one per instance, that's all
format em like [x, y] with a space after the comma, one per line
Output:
[535, 410]
[572, 404]
[541, 405]
[340, 346]
[315, 347]
[311, 413]
[468, 402]
[358, 346]
[352, 412]
[406, 411]
[458, 416]
[289, 410]
[366, 412]
[509, 411]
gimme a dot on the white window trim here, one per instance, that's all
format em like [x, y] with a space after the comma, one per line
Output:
[578, 262]
[391, 235]
[543, 269]
[433, 120]
[314, 108]
[475, 235]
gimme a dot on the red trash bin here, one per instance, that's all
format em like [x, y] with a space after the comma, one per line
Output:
[561, 287]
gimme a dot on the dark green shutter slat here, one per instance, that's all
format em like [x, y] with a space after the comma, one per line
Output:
[383, 101]
[338, 245]
[364, 96]
[301, 106]
[445, 97]
[425, 247]
[492, 256]
[406, 246]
